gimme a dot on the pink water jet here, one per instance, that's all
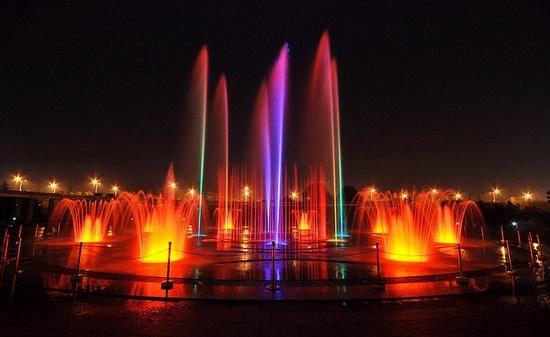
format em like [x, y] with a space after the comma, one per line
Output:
[192, 145]
[320, 130]
[267, 215]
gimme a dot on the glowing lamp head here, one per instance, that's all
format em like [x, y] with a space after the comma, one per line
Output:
[53, 186]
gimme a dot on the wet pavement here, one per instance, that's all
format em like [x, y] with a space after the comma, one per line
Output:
[33, 313]
[485, 301]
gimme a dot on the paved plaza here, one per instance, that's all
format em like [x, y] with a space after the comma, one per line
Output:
[34, 312]
[487, 300]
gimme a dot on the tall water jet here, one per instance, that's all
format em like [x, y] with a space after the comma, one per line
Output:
[218, 145]
[277, 104]
[320, 131]
[270, 110]
[267, 182]
[337, 159]
[194, 137]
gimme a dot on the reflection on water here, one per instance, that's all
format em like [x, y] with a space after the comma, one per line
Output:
[261, 262]
[215, 267]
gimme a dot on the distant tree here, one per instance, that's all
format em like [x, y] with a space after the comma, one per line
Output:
[5, 186]
[349, 193]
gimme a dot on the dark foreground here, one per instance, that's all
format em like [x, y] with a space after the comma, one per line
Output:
[33, 313]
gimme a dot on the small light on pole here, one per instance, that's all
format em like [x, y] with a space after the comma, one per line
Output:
[496, 191]
[173, 186]
[372, 191]
[528, 196]
[53, 186]
[96, 183]
[19, 179]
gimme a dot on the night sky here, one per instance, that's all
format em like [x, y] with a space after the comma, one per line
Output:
[451, 94]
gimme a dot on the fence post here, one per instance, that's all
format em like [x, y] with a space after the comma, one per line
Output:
[533, 265]
[540, 256]
[378, 285]
[460, 279]
[16, 270]
[273, 286]
[167, 284]
[77, 278]
[4, 261]
[509, 257]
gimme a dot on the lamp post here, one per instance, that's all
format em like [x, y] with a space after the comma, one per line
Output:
[528, 196]
[96, 183]
[173, 186]
[53, 186]
[458, 196]
[246, 193]
[496, 191]
[115, 190]
[372, 191]
[434, 192]
[19, 179]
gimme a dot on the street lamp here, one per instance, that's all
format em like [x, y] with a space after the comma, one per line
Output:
[96, 183]
[495, 192]
[246, 193]
[528, 196]
[53, 186]
[372, 191]
[458, 196]
[115, 190]
[19, 179]
[173, 185]
[192, 192]
[434, 192]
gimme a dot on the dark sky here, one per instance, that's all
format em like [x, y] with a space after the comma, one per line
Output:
[453, 94]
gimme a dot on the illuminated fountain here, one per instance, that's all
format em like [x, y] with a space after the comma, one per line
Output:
[160, 220]
[90, 220]
[266, 213]
[287, 191]
[410, 223]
